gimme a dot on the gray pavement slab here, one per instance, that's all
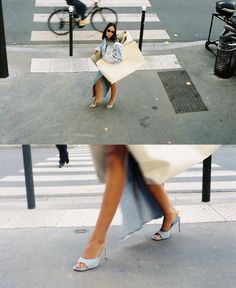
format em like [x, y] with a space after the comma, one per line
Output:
[200, 256]
[53, 107]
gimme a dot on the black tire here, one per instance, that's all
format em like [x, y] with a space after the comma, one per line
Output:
[101, 17]
[58, 22]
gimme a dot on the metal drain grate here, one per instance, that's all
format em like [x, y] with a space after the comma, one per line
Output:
[181, 91]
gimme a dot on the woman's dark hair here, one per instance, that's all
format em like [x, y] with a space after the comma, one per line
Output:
[113, 37]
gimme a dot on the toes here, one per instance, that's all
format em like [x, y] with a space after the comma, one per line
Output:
[80, 265]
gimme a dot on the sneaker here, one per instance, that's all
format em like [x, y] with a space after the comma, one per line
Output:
[84, 22]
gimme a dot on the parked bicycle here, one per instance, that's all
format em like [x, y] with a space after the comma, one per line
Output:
[58, 21]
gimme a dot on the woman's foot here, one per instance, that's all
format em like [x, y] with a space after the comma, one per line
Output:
[94, 103]
[169, 220]
[109, 105]
[91, 252]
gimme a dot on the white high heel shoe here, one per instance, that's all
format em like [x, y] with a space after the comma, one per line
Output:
[162, 235]
[89, 263]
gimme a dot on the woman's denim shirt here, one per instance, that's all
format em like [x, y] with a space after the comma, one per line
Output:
[111, 53]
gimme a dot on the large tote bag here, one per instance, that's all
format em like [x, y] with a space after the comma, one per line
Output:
[132, 60]
[159, 163]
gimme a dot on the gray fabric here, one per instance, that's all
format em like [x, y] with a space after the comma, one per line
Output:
[137, 204]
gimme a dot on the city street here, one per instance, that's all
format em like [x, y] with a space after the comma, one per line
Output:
[41, 245]
[50, 91]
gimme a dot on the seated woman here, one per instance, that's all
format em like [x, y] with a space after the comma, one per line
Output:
[110, 51]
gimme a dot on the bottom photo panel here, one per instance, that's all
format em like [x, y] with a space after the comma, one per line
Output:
[106, 210]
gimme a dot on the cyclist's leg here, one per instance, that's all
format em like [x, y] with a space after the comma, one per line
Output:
[79, 7]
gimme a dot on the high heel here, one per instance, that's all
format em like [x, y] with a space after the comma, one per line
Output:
[90, 263]
[93, 105]
[109, 106]
[162, 235]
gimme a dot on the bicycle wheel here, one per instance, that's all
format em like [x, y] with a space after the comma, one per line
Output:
[58, 22]
[101, 17]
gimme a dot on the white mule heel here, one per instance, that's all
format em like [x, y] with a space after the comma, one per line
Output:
[89, 263]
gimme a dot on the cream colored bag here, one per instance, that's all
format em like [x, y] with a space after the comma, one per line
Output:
[159, 163]
[132, 60]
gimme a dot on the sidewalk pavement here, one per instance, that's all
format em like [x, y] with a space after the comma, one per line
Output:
[53, 107]
[39, 247]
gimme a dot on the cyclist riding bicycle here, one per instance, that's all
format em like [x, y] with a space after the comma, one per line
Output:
[80, 8]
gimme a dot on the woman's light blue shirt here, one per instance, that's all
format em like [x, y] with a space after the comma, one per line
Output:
[111, 53]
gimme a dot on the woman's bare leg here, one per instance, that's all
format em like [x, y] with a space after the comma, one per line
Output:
[96, 91]
[160, 195]
[115, 180]
[113, 94]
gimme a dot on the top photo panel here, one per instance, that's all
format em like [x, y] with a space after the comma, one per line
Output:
[117, 71]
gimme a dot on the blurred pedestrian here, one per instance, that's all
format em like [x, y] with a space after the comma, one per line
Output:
[63, 154]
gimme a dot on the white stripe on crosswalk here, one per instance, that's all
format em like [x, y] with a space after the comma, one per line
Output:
[74, 158]
[45, 178]
[54, 190]
[201, 165]
[72, 163]
[99, 188]
[53, 65]
[109, 3]
[197, 186]
[135, 17]
[96, 36]
[67, 169]
[220, 173]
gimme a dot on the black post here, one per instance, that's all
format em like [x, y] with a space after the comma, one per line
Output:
[206, 180]
[142, 28]
[3, 52]
[71, 9]
[29, 181]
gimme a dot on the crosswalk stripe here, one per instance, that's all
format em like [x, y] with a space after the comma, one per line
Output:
[135, 17]
[55, 190]
[67, 169]
[72, 163]
[197, 186]
[221, 186]
[53, 178]
[74, 158]
[109, 3]
[96, 36]
[53, 65]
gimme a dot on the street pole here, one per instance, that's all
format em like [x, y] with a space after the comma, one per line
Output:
[71, 9]
[142, 27]
[29, 181]
[3, 52]
[206, 180]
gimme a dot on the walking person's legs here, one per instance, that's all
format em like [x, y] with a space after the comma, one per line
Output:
[115, 180]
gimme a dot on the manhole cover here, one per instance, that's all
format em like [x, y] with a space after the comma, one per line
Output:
[181, 91]
[81, 231]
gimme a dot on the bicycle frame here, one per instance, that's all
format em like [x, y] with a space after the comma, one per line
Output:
[92, 8]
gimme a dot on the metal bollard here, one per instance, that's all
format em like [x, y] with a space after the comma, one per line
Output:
[142, 27]
[71, 9]
[3, 52]
[206, 180]
[29, 181]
